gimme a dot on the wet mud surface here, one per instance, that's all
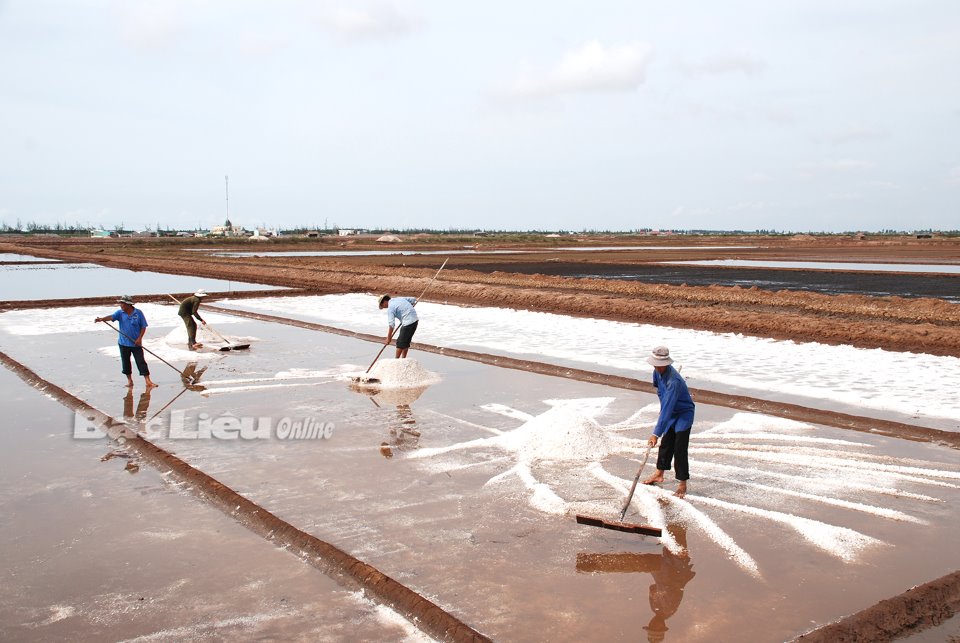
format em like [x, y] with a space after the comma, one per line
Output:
[908, 286]
[432, 519]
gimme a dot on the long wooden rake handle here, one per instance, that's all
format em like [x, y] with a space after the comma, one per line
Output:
[636, 479]
[432, 280]
[182, 374]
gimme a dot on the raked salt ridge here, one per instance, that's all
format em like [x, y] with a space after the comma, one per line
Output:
[908, 387]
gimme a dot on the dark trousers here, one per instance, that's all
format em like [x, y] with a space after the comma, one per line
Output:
[673, 446]
[191, 330]
[406, 334]
[137, 352]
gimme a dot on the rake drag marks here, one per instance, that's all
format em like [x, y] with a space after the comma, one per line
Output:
[339, 565]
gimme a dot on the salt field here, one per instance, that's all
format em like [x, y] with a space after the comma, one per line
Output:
[455, 470]
[76, 280]
[9, 256]
[870, 382]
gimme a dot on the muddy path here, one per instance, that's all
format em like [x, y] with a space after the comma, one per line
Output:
[922, 325]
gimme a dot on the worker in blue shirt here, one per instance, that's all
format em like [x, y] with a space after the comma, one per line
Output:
[400, 314]
[133, 326]
[674, 422]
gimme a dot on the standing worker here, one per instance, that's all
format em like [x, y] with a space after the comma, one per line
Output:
[190, 308]
[675, 421]
[133, 326]
[400, 309]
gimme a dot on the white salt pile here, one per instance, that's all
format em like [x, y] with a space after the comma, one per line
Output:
[402, 373]
[559, 434]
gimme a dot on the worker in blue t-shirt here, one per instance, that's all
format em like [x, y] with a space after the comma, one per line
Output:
[674, 422]
[133, 325]
[400, 313]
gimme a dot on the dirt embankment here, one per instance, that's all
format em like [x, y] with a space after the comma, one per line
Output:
[915, 325]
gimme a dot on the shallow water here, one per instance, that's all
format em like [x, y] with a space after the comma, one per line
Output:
[825, 265]
[9, 256]
[76, 280]
[92, 551]
[763, 549]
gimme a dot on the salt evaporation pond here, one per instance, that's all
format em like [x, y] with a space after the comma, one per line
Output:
[70, 281]
[488, 465]
[866, 382]
[9, 256]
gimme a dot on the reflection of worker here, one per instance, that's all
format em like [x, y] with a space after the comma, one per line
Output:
[191, 377]
[133, 326]
[669, 579]
[670, 571]
[405, 435]
[142, 405]
[400, 308]
[675, 421]
[190, 308]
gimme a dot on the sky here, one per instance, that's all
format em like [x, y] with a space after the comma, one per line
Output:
[794, 115]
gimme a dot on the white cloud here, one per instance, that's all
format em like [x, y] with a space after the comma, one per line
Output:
[744, 63]
[591, 68]
[375, 21]
[836, 166]
[953, 177]
[150, 25]
[856, 133]
[758, 177]
[262, 45]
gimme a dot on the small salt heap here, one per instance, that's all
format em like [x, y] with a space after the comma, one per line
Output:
[559, 434]
[403, 373]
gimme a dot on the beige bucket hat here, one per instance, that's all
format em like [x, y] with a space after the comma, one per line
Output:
[660, 356]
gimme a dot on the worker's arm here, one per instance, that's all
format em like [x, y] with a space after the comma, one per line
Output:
[390, 330]
[667, 404]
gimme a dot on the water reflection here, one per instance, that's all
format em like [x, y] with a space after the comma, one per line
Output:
[671, 572]
[404, 435]
[143, 405]
[191, 377]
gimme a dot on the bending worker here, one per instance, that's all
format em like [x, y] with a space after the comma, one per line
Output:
[190, 308]
[675, 421]
[400, 308]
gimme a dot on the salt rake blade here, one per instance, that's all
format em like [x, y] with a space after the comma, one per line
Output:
[630, 528]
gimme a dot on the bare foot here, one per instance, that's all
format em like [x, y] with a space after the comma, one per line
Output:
[129, 383]
[656, 478]
[151, 384]
[681, 490]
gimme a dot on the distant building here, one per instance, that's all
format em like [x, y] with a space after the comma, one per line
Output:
[228, 230]
[102, 234]
[343, 232]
